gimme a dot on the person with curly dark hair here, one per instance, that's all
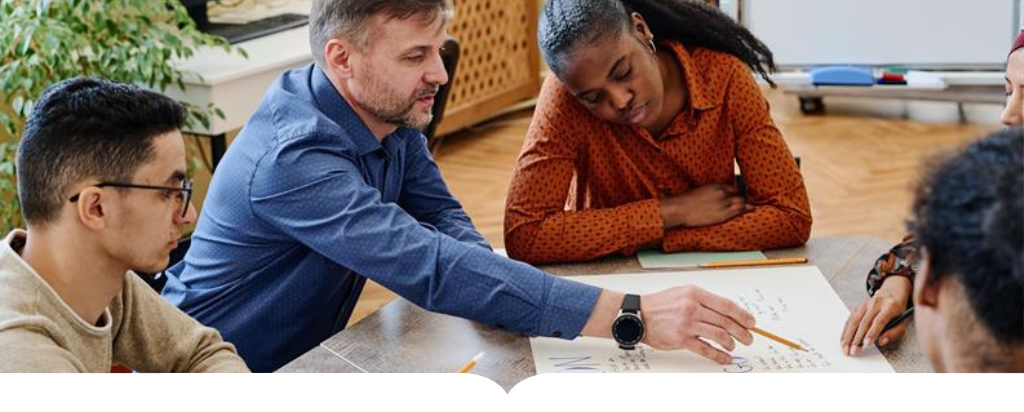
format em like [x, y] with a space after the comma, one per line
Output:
[890, 281]
[635, 138]
[969, 227]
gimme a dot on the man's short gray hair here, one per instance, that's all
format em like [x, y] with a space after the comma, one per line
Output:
[349, 19]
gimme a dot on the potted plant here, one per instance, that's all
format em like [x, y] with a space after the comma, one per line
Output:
[45, 41]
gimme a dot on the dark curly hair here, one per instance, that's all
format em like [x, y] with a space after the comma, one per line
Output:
[968, 216]
[564, 24]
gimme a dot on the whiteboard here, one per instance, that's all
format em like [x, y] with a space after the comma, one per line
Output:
[948, 34]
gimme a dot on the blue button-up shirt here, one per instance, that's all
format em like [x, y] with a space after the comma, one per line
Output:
[307, 204]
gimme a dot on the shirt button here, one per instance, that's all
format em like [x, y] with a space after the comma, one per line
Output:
[557, 334]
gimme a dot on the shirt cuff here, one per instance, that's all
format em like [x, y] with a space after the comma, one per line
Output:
[568, 308]
[648, 226]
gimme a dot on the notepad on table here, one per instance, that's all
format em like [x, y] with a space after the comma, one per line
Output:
[654, 259]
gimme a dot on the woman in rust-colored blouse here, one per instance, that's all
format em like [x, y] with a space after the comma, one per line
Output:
[635, 138]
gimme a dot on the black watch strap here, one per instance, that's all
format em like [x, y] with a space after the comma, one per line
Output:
[628, 328]
[631, 304]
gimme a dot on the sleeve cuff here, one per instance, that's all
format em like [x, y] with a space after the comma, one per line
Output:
[568, 308]
[648, 226]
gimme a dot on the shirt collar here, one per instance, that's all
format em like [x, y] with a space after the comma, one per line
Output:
[701, 98]
[330, 102]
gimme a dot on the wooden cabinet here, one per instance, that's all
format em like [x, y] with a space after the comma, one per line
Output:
[499, 63]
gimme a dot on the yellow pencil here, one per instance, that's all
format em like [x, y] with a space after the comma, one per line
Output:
[777, 338]
[472, 362]
[786, 261]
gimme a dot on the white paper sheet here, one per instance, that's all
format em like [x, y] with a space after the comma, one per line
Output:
[796, 303]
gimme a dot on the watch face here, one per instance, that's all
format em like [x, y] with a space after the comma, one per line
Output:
[628, 329]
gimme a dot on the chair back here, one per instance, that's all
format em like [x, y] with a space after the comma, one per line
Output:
[450, 57]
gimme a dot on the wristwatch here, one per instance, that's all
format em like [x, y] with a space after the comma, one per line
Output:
[628, 328]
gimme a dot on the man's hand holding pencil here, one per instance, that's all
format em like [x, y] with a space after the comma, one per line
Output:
[679, 317]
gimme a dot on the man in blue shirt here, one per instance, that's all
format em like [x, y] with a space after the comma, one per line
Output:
[331, 183]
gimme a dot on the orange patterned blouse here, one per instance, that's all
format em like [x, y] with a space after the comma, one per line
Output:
[584, 188]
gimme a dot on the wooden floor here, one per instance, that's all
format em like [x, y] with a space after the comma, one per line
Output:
[859, 171]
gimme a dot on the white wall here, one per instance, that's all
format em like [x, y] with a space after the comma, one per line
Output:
[920, 33]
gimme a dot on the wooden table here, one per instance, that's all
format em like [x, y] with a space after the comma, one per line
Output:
[401, 337]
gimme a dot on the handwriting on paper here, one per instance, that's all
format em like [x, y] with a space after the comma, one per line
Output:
[621, 361]
[778, 358]
[796, 302]
[762, 307]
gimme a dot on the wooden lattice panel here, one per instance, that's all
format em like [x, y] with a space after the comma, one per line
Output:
[499, 61]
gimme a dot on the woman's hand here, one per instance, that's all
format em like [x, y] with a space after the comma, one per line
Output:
[867, 320]
[704, 206]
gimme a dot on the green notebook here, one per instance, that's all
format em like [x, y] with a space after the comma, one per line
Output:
[653, 259]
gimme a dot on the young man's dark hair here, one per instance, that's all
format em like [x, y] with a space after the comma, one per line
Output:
[103, 179]
[87, 127]
[969, 222]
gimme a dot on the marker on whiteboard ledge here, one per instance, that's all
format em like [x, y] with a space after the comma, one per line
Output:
[889, 78]
[472, 363]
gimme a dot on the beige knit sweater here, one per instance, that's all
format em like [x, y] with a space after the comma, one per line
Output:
[40, 333]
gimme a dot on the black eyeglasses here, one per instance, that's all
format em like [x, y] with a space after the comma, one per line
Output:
[184, 193]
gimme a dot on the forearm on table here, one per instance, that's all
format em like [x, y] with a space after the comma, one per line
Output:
[583, 235]
[765, 227]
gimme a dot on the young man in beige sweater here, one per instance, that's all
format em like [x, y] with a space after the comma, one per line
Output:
[101, 178]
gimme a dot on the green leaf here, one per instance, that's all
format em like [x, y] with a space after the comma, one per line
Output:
[26, 43]
[9, 126]
[44, 41]
[17, 104]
